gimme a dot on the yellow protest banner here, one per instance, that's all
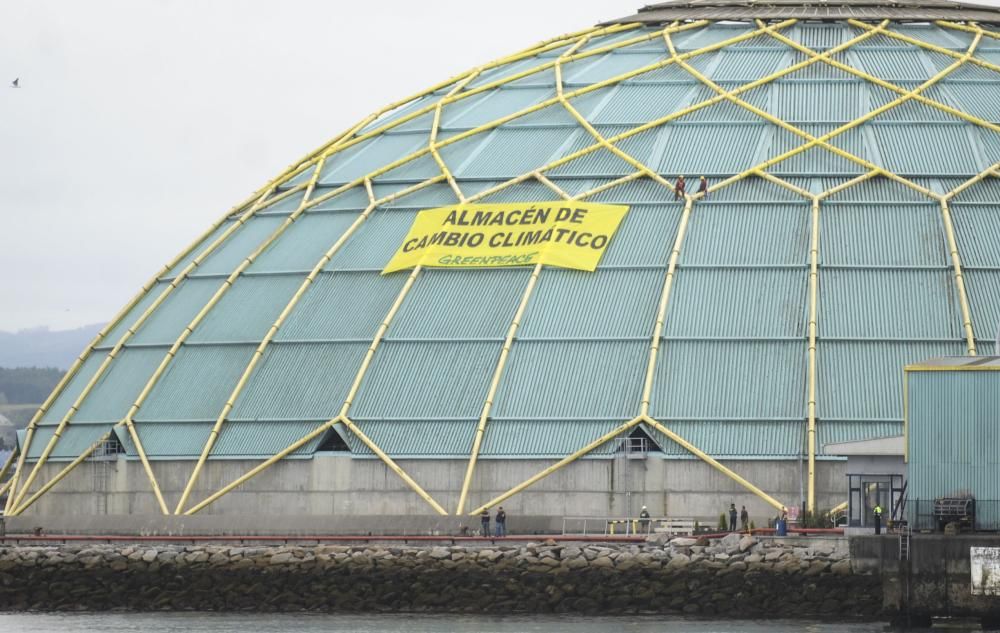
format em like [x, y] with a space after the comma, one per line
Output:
[566, 234]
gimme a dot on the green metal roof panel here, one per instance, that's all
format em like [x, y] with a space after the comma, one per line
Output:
[176, 312]
[243, 241]
[120, 384]
[730, 379]
[864, 303]
[304, 242]
[727, 302]
[372, 245]
[602, 305]
[427, 379]
[60, 406]
[247, 311]
[864, 380]
[742, 235]
[300, 381]
[197, 383]
[881, 235]
[75, 439]
[536, 383]
[634, 104]
[128, 320]
[546, 438]
[734, 438]
[423, 438]
[342, 305]
[246, 440]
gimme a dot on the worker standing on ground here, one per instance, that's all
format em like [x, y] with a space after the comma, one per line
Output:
[679, 188]
[484, 517]
[745, 519]
[644, 520]
[703, 187]
[501, 521]
[878, 518]
[732, 517]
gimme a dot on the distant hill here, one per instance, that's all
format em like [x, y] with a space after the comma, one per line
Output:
[42, 347]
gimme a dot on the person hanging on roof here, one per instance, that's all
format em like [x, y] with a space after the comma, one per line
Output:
[679, 188]
[703, 187]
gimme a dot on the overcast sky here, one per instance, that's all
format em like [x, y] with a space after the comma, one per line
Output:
[139, 122]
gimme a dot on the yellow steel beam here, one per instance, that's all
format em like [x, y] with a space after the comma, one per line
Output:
[705, 457]
[562, 462]
[5, 468]
[986, 173]
[956, 262]
[60, 475]
[813, 311]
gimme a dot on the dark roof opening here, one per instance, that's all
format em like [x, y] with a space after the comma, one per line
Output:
[332, 442]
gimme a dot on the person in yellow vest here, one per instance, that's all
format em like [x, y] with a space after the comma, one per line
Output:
[878, 518]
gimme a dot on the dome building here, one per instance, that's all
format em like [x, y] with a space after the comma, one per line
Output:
[850, 227]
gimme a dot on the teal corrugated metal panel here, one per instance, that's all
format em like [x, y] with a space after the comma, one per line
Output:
[840, 431]
[115, 333]
[748, 65]
[864, 380]
[728, 234]
[987, 191]
[416, 170]
[398, 438]
[602, 162]
[498, 103]
[881, 235]
[606, 381]
[184, 261]
[296, 382]
[693, 149]
[530, 189]
[169, 320]
[197, 383]
[545, 438]
[488, 300]
[303, 243]
[758, 303]
[984, 300]
[634, 191]
[734, 438]
[354, 199]
[423, 379]
[602, 304]
[914, 111]
[977, 231]
[286, 205]
[591, 70]
[818, 160]
[375, 241]
[75, 439]
[884, 41]
[726, 111]
[60, 407]
[241, 243]
[877, 189]
[185, 440]
[946, 38]
[550, 115]
[972, 72]
[246, 312]
[614, 38]
[638, 103]
[953, 437]
[342, 305]
[823, 36]
[977, 99]
[120, 385]
[730, 379]
[421, 123]
[926, 149]
[671, 73]
[893, 64]
[507, 70]
[510, 152]
[818, 70]
[700, 38]
[808, 101]
[990, 142]
[644, 237]
[367, 156]
[435, 195]
[888, 304]
[756, 190]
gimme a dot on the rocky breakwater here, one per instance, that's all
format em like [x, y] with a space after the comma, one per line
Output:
[731, 577]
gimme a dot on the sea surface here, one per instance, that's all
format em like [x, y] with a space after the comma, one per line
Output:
[302, 623]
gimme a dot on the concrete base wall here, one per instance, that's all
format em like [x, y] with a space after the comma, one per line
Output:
[344, 487]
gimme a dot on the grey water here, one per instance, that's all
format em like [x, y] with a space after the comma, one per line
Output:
[309, 623]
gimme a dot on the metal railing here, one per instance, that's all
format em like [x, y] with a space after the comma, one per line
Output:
[921, 516]
[627, 526]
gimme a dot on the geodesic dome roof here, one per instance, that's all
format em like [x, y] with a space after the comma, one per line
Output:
[851, 227]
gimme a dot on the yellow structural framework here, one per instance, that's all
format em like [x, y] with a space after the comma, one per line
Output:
[269, 195]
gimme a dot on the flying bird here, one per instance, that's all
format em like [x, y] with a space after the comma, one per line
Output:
[14, 84]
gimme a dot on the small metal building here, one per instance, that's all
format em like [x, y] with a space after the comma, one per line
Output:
[952, 439]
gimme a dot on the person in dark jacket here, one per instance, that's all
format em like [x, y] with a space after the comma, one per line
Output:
[745, 519]
[644, 521]
[732, 517]
[501, 521]
[679, 188]
[484, 517]
[703, 187]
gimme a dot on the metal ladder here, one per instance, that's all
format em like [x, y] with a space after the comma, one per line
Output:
[904, 542]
